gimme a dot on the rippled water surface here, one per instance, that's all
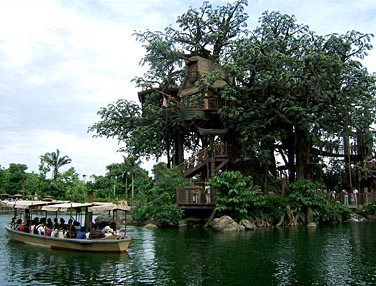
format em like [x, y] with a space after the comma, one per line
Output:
[334, 255]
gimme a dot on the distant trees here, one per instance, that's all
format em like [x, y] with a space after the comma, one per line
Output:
[54, 161]
[13, 179]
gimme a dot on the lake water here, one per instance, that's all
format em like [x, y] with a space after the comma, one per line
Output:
[327, 255]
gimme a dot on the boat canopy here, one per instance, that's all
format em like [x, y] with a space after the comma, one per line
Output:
[30, 204]
[108, 207]
[64, 207]
[91, 207]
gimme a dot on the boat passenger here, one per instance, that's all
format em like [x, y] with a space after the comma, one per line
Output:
[107, 231]
[13, 222]
[115, 228]
[62, 224]
[47, 230]
[71, 231]
[26, 226]
[42, 226]
[34, 224]
[22, 227]
[77, 225]
[54, 232]
[18, 224]
[81, 234]
[61, 233]
[56, 224]
[49, 223]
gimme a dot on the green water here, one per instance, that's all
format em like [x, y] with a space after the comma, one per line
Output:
[335, 255]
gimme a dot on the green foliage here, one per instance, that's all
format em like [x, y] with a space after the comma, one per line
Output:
[370, 208]
[75, 190]
[289, 91]
[159, 202]
[235, 193]
[14, 178]
[273, 207]
[55, 161]
[334, 213]
[304, 194]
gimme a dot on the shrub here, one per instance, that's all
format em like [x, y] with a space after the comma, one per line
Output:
[334, 213]
[370, 208]
[235, 193]
[159, 202]
[304, 194]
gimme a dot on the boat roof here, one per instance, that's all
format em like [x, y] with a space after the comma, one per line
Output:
[62, 207]
[21, 204]
[92, 207]
[108, 207]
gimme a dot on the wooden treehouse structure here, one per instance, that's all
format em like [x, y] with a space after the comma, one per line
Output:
[199, 115]
[197, 112]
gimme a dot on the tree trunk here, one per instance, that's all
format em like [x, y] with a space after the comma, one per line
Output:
[302, 151]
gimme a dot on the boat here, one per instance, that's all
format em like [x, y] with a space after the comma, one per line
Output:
[112, 243]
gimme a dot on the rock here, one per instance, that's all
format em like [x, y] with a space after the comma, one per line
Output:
[226, 224]
[151, 226]
[312, 224]
[247, 224]
[357, 218]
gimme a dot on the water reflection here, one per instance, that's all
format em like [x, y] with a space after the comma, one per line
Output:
[28, 264]
[335, 255]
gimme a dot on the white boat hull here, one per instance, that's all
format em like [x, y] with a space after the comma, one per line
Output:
[103, 245]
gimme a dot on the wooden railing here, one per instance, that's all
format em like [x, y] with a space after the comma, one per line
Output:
[195, 195]
[200, 102]
[217, 151]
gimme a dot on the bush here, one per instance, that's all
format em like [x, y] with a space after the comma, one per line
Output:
[159, 202]
[370, 209]
[305, 194]
[275, 207]
[334, 213]
[235, 193]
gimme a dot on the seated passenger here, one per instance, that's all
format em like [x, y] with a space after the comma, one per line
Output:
[18, 224]
[34, 224]
[107, 231]
[81, 234]
[26, 227]
[49, 223]
[54, 232]
[42, 226]
[115, 228]
[62, 224]
[61, 233]
[56, 224]
[47, 231]
[13, 222]
[77, 225]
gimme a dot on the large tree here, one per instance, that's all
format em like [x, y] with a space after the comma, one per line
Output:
[156, 130]
[289, 91]
[296, 92]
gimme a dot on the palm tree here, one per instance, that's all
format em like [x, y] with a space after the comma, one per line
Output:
[54, 160]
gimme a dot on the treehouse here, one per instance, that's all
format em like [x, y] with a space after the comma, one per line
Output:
[195, 105]
[198, 98]
[199, 104]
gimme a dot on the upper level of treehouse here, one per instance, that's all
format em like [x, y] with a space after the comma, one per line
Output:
[199, 102]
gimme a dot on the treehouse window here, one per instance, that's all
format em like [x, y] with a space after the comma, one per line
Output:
[192, 74]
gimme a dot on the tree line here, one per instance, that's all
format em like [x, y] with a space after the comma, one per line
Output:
[119, 182]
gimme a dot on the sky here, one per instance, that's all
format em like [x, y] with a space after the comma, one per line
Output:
[62, 60]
